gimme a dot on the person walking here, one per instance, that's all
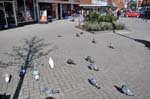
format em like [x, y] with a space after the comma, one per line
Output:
[118, 13]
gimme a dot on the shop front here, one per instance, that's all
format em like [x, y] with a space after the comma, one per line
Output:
[58, 9]
[8, 16]
[16, 12]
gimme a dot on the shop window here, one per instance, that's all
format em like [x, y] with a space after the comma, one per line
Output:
[29, 10]
[20, 11]
[25, 10]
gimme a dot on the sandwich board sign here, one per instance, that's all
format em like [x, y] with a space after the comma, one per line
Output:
[43, 16]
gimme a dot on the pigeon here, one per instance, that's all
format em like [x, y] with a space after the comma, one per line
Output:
[89, 59]
[7, 78]
[126, 90]
[36, 74]
[81, 33]
[94, 83]
[93, 41]
[93, 67]
[70, 61]
[59, 35]
[111, 46]
[22, 71]
[50, 91]
[77, 35]
[51, 62]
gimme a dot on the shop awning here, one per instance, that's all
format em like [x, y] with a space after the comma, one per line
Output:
[58, 1]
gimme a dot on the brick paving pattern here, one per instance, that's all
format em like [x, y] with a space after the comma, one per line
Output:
[127, 63]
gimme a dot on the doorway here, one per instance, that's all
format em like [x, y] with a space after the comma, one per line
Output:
[10, 14]
[2, 16]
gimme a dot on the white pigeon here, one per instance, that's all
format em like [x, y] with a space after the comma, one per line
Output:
[126, 90]
[37, 77]
[36, 74]
[51, 62]
[7, 77]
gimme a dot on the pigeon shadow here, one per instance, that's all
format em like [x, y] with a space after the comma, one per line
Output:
[50, 98]
[118, 89]
[10, 78]
[4, 96]
[89, 67]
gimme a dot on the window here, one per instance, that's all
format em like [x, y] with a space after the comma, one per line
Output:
[29, 10]
[25, 10]
[20, 11]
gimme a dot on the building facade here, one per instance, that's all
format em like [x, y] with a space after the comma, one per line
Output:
[58, 9]
[17, 12]
[98, 6]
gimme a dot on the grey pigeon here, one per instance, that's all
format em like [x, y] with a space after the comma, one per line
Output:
[89, 59]
[92, 66]
[126, 90]
[81, 33]
[70, 61]
[94, 83]
[77, 35]
[59, 35]
[50, 91]
[93, 41]
[111, 46]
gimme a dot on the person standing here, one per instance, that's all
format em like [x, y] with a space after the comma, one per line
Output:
[118, 13]
[81, 19]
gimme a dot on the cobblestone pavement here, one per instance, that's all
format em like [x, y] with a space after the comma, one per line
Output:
[127, 63]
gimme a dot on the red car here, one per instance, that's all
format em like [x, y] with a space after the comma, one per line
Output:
[131, 14]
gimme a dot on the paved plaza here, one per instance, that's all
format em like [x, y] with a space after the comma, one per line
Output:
[128, 63]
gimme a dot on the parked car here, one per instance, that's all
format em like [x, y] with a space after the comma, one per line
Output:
[131, 14]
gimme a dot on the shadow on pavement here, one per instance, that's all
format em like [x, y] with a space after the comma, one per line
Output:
[4, 96]
[144, 42]
[25, 56]
[50, 98]
[118, 89]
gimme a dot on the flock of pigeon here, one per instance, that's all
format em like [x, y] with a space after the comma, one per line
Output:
[92, 66]
[92, 81]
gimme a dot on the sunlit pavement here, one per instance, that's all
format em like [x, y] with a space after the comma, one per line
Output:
[128, 63]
